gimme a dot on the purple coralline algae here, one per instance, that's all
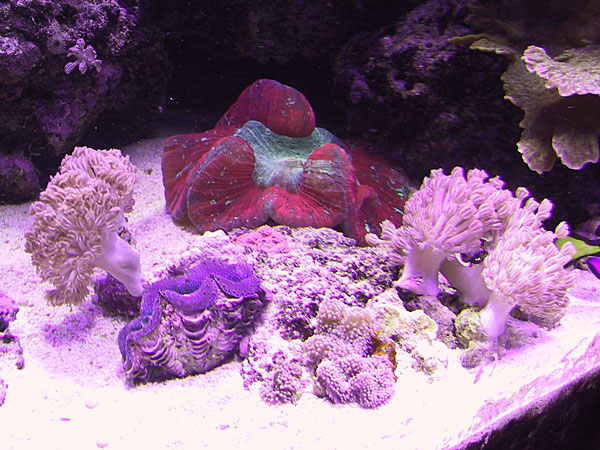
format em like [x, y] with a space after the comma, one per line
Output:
[330, 268]
[114, 298]
[192, 323]
[8, 311]
[264, 238]
[19, 180]
[45, 111]
[2, 391]
[9, 343]
[276, 365]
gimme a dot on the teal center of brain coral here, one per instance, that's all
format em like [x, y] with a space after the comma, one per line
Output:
[281, 160]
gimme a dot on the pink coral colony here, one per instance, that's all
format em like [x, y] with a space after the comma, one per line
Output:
[266, 160]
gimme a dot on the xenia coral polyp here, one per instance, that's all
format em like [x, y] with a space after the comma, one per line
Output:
[449, 215]
[77, 222]
[453, 218]
[525, 268]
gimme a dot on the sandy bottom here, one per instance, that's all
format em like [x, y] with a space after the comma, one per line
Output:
[72, 393]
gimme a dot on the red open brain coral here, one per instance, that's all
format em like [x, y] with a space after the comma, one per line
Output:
[266, 160]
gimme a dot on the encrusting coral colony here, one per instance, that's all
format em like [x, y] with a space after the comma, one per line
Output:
[488, 242]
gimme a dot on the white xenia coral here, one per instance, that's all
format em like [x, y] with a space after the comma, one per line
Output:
[77, 221]
[448, 215]
[85, 58]
[453, 218]
[525, 268]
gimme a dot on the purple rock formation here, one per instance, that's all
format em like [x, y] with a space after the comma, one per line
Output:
[9, 343]
[407, 88]
[2, 391]
[8, 311]
[17, 57]
[433, 103]
[192, 323]
[19, 180]
[45, 110]
[278, 370]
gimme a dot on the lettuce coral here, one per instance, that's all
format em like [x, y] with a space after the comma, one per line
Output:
[77, 222]
[561, 104]
[553, 76]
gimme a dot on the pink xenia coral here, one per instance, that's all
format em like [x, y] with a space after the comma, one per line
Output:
[448, 215]
[77, 224]
[454, 219]
[525, 268]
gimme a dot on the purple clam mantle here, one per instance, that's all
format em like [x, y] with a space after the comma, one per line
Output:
[192, 323]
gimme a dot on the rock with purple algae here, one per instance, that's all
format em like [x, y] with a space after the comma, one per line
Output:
[406, 88]
[8, 311]
[275, 364]
[468, 328]
[2, 391]
[438, 311]
[192, 323]
[44, 111]
[264, 238]
[478, 348]
[17, 57]
[323, 264]
[114, 298]
[9, 343]
[414, 333]
[19, 180]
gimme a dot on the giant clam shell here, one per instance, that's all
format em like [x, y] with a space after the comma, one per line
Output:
[192, 323]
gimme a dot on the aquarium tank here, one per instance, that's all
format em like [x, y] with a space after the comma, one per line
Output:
[294, 224]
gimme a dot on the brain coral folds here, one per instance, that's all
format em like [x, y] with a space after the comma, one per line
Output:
[266, 160]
